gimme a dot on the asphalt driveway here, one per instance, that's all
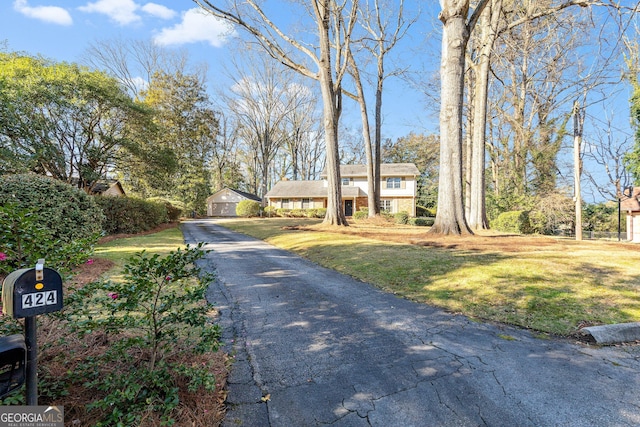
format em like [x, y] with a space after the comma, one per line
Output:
[314, 347]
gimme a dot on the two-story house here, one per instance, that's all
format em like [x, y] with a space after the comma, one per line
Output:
[398, 190]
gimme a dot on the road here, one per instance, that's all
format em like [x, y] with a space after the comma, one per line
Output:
[314, 348]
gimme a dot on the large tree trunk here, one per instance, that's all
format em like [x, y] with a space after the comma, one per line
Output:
[477, 208]
[450, 218]
[331, 107]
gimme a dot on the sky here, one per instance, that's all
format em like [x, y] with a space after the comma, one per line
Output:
[63, 31]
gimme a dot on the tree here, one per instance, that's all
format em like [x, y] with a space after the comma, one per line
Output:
[64, 120]
[334, 22]
[457, 25]
[189, 128]
[261, 102]
[384, 25]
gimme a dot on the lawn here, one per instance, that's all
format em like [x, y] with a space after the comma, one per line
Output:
[550, 285]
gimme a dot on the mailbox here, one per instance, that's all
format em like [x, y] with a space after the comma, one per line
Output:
[13, 359]
[29, 292]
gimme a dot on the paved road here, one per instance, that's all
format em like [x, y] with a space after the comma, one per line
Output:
[315, 348]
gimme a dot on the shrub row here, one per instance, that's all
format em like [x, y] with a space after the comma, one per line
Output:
[131, 215]
[301, 213]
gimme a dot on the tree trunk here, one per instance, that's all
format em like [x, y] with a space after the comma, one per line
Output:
[331, 107]
[450, 218]
[477, 207]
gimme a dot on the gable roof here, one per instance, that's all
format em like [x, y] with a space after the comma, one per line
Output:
[307, 189]
[386, 169]
[238, 192]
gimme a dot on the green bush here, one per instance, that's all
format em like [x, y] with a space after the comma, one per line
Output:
[270, 211]
[24, 240]
[513, 222]
[66, 211]
[248, 208]
[422, 211]
[157, 313]
[321, 212]
[175, 209]
[361, 214]
[401, 218]
[131, 215]
[297, 213]
[283, 212]
[422, 221]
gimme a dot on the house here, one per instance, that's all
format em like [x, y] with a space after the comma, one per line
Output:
[225, 201]
[397, 191]
[110, 187]
[631, 205]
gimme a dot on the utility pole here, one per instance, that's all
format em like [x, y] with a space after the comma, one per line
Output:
[578, 121]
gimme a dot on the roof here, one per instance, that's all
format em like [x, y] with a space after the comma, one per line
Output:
[631, 204]
[386, 169]
[308, 189]
[239, 193]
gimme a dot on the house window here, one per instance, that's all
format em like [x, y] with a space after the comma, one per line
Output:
[346, 181]
[394, 182]
[285, 203]
[306, 203]
[385, 205]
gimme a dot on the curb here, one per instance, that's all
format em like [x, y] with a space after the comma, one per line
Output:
[613, 334]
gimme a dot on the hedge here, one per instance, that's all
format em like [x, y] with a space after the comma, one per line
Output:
[513, 222]
[131, 215]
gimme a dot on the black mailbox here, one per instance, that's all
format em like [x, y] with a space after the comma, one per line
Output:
[13, 359]
[31, 291]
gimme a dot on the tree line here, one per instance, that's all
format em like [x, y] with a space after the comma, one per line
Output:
[511, 72]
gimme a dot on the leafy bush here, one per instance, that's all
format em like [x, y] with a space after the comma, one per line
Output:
[131, 215]
[422, 221]
[248, 208]
[270, 211]
[283, 212]
[311, 213]
[422, 211]
[401, 218]
[513, 222]
[297, 213]
[24, 240]
[155, 315]
[175, 209]
[67, 212]
[362, 213]
[321, 212]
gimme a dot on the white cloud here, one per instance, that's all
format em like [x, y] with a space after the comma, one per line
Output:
[158, 10]
[196, 26]
[121, 11]
[53, 14]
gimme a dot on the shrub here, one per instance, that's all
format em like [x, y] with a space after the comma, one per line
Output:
[310, 213]
[321, 212]
[66, 211]
[422, 221]
[24, 240]
[248, 208]
[131, 215]
[513, 222]
[270, 211]
[363, 213]
[297, 213]
[175, 209]
[401, 218]
[154, 316]
[283, 212]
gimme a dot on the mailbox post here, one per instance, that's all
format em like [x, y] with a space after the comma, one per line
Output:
[27, 293]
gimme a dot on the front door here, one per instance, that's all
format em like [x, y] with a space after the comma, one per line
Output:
[348, 207]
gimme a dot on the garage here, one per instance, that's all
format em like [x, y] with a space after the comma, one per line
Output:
[224, 202]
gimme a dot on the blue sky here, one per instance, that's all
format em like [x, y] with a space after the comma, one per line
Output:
[63, 31]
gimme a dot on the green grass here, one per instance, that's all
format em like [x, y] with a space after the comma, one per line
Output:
[120, 250]
[555, 290]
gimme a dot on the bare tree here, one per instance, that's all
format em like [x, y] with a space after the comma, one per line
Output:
[458, 23]
[334, 21]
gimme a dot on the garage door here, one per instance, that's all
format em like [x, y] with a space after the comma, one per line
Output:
[223, 209]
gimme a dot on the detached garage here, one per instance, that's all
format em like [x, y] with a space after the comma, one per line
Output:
[224, 202]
